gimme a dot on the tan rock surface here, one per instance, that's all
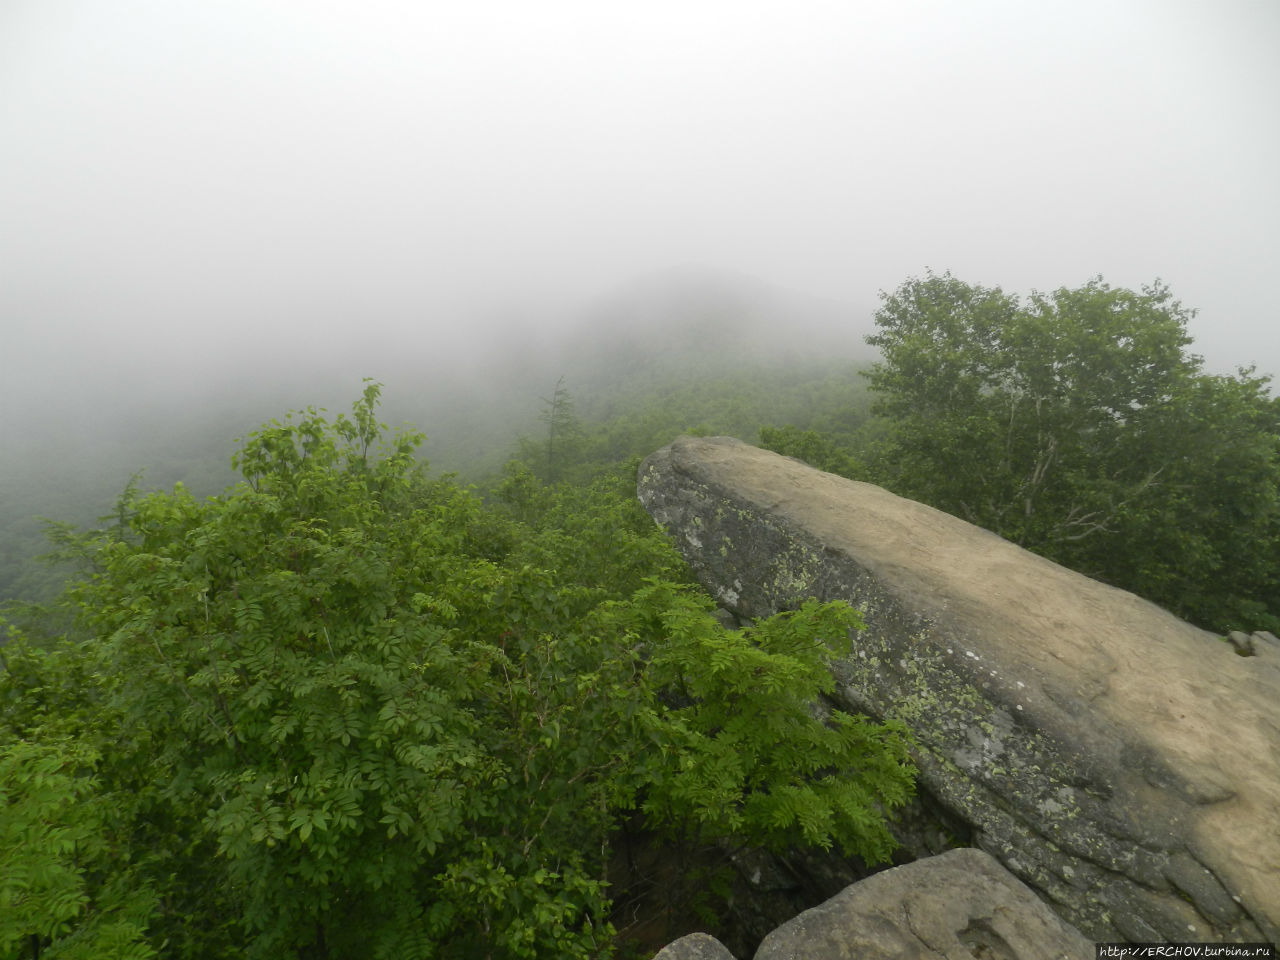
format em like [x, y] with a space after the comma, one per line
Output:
[1154, 732]
[959, 905]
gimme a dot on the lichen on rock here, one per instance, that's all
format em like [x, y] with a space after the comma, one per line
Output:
[1119, 761]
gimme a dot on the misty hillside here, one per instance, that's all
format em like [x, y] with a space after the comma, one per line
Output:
[690, 323]
[676, 351]
[663, 336]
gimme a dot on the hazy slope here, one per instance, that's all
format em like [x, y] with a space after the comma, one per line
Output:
[71, 445]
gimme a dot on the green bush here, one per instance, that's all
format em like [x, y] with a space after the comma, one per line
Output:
[357, 712]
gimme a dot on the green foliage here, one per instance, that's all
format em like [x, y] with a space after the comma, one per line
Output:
[752, 763]
[620, 413]
[346, 709]
[612, 427]
[1204, 540]
[814, 448]
[1078, 425]
[63, 890]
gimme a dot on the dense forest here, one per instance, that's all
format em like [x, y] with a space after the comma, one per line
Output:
[315, 694]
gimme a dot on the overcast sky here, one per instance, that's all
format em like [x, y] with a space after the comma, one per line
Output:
[188, 182]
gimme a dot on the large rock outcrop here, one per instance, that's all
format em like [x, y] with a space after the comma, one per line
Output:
[1122, 763]
[958, 904]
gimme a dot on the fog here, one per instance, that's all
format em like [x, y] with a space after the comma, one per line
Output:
[199, 201]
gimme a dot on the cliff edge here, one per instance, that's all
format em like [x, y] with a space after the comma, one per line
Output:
[1122, 763]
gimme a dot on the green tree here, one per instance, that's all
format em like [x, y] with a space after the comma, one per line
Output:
[357, 712]
[563, 428]
[1204, 540]
[68, 887]
[814, 448]
[1078, 425]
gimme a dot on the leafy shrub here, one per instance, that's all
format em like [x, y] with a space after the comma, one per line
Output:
[381, 718]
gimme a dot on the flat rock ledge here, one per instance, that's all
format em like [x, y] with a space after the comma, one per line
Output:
[1120, 762]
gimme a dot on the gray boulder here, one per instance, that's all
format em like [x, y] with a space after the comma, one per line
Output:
[1122, 763]
[696, 946]
[958, 905]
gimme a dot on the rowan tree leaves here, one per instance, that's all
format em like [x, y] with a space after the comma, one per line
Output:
[357, 711]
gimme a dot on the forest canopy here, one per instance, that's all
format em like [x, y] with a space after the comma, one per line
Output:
[345, 708]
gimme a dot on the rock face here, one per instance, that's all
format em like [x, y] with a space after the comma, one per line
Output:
[958, 904]
[1122, 763]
